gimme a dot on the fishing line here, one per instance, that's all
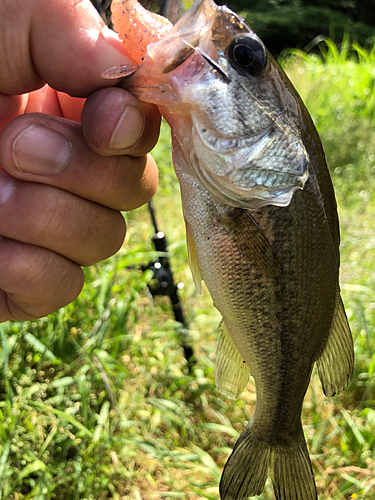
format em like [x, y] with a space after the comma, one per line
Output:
[228, 79]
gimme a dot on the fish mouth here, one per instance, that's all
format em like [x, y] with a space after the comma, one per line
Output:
[264, 168]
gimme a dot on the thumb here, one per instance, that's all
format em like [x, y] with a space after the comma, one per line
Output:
[63, 43]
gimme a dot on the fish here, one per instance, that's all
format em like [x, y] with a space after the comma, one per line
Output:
[262, 232]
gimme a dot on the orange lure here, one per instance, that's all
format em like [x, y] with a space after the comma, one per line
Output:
[137, 26]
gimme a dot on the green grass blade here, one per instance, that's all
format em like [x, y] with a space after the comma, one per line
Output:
[103, 416]
[40, 347]
[36, 466]
[356, 431]
[63, 415]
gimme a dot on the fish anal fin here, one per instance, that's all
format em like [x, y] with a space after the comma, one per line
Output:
[193, 259]
[335, 365]
[253, 458]
[231, 371]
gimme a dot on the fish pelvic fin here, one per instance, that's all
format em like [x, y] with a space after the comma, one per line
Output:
[253, 458]
[335, 365]
[193, 259]
[231, 371]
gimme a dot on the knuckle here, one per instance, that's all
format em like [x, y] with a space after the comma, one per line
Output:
[106, 236]
[37, 281]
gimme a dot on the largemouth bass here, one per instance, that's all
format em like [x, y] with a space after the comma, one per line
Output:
[262, 232]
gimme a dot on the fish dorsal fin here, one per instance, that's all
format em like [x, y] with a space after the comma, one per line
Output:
[193, 259]
[335, 365]
[231, 371]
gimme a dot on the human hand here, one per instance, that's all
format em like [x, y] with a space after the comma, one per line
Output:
[62, 184]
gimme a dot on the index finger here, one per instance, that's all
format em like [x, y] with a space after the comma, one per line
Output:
[63, 43]
[50, 150]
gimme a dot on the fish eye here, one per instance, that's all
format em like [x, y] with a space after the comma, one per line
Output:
[248, 54]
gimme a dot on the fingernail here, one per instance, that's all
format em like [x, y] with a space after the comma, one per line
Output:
[7, 184]
[39, 150]
[128, 129]
[114, 48]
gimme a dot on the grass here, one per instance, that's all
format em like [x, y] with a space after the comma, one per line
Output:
[97, 402]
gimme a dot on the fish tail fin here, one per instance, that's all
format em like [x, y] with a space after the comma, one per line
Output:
[288, 465]
[291, 472]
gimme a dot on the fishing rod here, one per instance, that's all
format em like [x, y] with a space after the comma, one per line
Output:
[163, 283]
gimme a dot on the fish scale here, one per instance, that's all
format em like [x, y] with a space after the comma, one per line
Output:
[262, 232]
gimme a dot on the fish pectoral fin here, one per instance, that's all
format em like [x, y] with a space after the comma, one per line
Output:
[335, 365]
[231, 371]
[250, 240]
[260, 244]
[193, 259]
